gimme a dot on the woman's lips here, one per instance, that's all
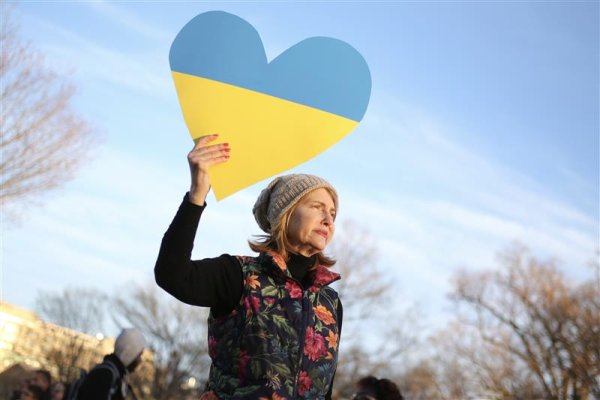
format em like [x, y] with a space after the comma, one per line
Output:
[322, 233]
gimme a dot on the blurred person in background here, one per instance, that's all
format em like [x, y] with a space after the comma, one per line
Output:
[109, 379]
[16, 395]
[32, 392]
[43, 380]
[371, 388]
[58, 391]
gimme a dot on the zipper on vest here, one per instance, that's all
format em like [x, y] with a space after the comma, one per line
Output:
[305, 305]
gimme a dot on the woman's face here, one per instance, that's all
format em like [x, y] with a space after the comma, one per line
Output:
[311, 224]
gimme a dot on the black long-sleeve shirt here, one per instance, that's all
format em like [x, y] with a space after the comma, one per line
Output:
[212, 282]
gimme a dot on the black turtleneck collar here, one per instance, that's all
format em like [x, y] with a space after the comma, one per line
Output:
[299, 265]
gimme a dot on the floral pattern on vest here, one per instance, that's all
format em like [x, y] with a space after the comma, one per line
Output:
[281, 341]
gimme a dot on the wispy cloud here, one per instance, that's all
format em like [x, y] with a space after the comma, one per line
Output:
[131, 21]
[143, 72]
[439, 205]
[109, 224]
[446, 168]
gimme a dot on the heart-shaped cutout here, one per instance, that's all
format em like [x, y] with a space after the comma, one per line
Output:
[274, 115]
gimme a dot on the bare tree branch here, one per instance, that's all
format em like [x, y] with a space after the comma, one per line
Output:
[550, 327]
[43, 139]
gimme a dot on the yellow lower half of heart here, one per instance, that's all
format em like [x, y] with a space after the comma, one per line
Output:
[267, 135]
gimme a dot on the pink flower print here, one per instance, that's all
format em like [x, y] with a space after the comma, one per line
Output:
[314, 345]
[252, 305]
[304, 383]
[270, 301]
[323, 276]
[294, 290]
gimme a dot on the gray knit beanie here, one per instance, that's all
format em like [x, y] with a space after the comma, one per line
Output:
[282, 193]
[129, 344]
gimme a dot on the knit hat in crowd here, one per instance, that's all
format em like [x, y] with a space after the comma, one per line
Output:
[282, 193]
[129, 344]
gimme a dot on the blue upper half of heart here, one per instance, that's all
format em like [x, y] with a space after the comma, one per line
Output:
[324, 73]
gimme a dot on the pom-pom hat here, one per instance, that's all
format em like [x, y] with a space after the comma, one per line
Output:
[129, 344]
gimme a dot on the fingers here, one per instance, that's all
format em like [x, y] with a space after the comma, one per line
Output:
[206, 160]
[212, 149]
[203, 140]
[202, 147]
[203, 155]
[210, 152]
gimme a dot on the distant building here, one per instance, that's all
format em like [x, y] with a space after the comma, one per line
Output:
[26, 339]
[30, 343]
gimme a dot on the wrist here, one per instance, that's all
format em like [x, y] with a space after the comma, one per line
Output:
[196, 197]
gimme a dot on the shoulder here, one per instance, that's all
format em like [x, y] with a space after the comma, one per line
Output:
[332, 295]
[100, 375]
[109, 370]
[245, 259]
[99, 378]
[249, 263]
[221, 264]
[222, 259]
[104, 371]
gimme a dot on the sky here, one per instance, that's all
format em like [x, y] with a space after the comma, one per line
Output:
[482, 130]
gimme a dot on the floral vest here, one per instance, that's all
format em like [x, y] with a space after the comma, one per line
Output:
[281, 341]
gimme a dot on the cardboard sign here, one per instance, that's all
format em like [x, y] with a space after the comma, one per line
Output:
[275, 115]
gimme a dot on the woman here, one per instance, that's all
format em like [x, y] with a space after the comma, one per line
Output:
[274, 322]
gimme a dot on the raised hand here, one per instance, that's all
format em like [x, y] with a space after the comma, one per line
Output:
[200, 159]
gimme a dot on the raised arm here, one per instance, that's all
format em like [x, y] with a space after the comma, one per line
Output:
[211, 282]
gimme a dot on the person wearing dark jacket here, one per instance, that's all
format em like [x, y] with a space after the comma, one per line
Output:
[274, 323]
[108, 380]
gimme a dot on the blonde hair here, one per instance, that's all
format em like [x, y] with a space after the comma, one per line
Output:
[278, 240]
